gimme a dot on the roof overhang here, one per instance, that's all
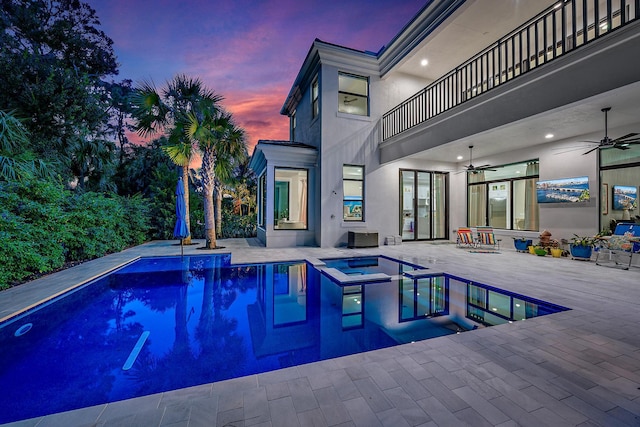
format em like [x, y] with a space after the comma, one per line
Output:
[282, 153]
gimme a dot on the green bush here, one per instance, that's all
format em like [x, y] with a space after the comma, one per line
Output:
[43, 226]
[234, 225]
[31, 230]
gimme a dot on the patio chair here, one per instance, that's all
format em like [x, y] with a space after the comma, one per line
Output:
[465, 238]
[487, 238]
[624, 241]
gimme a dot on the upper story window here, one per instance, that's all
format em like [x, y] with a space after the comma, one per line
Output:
[315, 92]
[353, 189]
[353, 94]
[294, 123]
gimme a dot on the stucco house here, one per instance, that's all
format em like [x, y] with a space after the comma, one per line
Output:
[380, 142]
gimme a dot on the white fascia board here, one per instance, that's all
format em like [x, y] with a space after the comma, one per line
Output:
[291, 155]
[344, 58]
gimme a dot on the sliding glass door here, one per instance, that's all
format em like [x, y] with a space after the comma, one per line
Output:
[423, 205]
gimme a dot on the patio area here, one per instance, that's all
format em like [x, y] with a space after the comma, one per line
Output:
[579, 367]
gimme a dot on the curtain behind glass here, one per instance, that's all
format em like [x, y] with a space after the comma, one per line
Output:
[477, 205]
[531, 199]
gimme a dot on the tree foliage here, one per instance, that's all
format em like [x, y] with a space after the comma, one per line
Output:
[52, 60]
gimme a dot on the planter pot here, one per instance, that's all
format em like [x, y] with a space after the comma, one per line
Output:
[556, 252]
[532, 249]
[522, 245]
[540, 252]
[581, 252]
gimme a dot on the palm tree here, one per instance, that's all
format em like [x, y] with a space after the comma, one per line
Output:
[16, 162]
[231, 151]
[168, 112]
[219, 139]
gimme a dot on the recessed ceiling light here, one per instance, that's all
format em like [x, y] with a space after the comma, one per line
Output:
[549, 135]
[424, 62]
[459, 157]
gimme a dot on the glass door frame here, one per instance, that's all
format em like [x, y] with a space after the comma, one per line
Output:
[432, 193]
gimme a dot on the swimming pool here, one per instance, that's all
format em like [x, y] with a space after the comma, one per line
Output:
[165, 323]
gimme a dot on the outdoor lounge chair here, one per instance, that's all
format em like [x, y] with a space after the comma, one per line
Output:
[465, 238]
[624, 241]
[487, 238]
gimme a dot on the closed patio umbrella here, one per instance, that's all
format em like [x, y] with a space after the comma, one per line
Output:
[180, 231]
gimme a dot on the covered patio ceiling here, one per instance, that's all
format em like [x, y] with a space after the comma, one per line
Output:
[580, 121]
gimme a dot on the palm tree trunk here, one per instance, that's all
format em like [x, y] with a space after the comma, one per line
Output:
[185, 182]
[218, 208]
[207, 187]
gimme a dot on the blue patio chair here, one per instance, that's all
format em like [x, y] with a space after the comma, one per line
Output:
[625, 241]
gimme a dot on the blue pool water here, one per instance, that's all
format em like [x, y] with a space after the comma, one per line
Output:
[164, 323]
[370, 264]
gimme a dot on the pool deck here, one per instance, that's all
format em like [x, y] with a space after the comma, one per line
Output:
[576, 368]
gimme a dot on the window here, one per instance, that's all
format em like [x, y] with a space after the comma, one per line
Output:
[262, 199]
[294, 123]
[504, 197]
[617, 167]
[315, 107]
[353, 94]
[290, 199]
[353, 192]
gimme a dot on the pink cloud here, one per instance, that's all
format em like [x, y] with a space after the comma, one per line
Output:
[249, 52]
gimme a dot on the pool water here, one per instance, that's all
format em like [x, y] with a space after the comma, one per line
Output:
[370, 264]
[165, 323]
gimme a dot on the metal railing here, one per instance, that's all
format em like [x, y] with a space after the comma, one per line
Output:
[563, 27]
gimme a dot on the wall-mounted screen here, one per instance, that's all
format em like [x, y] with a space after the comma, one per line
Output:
[563, 190]
[624, 197]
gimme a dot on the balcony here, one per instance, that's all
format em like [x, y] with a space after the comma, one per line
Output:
[563, 28]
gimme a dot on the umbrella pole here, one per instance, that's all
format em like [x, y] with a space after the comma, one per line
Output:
[181, 247]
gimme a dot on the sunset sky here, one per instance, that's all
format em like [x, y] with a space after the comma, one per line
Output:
[248, 51]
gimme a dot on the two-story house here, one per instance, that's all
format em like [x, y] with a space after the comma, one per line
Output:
[381, 141]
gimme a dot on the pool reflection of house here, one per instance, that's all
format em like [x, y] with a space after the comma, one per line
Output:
[375, 136]
[302, 315]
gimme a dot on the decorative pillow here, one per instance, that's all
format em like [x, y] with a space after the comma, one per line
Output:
[620, 243]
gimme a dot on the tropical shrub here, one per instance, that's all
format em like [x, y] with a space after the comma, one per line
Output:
[43, 226]
[31, 229]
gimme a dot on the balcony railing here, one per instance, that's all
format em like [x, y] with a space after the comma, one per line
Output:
[565, 26]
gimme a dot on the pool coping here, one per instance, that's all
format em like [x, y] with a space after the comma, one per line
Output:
[16, 315]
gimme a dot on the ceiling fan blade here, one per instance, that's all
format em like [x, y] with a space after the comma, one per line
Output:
[593, 149]
[625, 137]
[593, 142]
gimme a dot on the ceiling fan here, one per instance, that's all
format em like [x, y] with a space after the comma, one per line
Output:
[621, 143]
[470, 168]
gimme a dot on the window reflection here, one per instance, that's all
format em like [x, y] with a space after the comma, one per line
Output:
[289, 294]
[423, 298]
[352, 307]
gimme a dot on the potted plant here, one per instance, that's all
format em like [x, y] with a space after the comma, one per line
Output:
[540, 251]
[521, 243]
[581, 247]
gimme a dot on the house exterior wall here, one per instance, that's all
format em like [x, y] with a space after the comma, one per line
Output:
[356, 140]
